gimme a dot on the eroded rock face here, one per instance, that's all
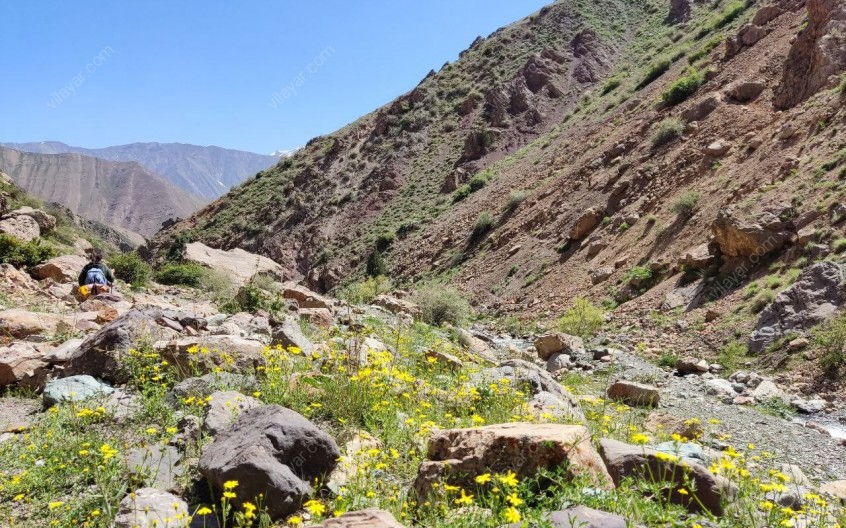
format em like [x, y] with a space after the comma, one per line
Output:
[270, 450]
[586, 223]
[22, 227]
[814, 297]
[61, 269]
[737, 237]
[817, 55]
[680, 11]
[22, 364]
[459, 455]
[624, 460]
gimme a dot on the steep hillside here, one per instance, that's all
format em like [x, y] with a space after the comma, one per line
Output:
[124, 195]
[204, 171]
[683, 162]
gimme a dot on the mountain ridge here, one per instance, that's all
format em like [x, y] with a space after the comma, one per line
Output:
[123, 194]
[206, 171]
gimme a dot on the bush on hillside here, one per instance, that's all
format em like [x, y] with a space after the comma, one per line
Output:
[182, 274]
[830, 337]
[442, 304]
[682, 89]
[515, 198]
[129, 267]
[583, 319]
[666, 131]
[483, 224]
[656, 70]
[364, 292]
[19, 253]
[687, 204]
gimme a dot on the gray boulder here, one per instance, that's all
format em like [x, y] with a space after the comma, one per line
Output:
[288, 334]
[634, 393]
[100, 354]
[815, 297]
[524, 374]
[273, 451]
[73, 388]
[149, 508]
[159, 465]
[369, 518]
[625, 460]
[224, 407]
[582, 517]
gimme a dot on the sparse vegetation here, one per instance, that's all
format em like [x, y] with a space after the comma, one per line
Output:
[583, 319]
[686, 204]
[364, 292]
[515, 198]
[375, 266]
[731, 355]
[761, 300]
[666, 131]
[655, 70]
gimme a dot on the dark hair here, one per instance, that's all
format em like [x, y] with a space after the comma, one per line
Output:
[96, 255]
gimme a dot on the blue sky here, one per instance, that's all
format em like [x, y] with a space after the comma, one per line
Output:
[100, 73]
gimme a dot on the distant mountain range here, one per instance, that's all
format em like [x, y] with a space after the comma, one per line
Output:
[121, 194]
[208, 172]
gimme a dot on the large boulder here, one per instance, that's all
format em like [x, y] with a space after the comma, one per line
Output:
[816, 295]
[581, 517]
[151, 508]
[475, 347]
[634, 393]
[21, 324]
[61, 269]
[73, 388]
[46, 222]
[629, 461]
[305, 298]
[396, 305]
[558, 343]
[158, 465]
[524, 375]
[101, 353]
[743, 238]
[273, 451]
[362, 519]
[23, 227]
[680, 11]
[22, 364]
[457, 456]
[239, 264]
[61, 353]
[204, 354]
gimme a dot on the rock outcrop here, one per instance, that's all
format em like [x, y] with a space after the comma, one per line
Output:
[239, 264]
[814, 297]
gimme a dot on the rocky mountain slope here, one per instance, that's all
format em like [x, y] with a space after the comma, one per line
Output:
[621, 157]
[207, 172]
[124, 195]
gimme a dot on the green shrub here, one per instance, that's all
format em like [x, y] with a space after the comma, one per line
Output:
[19, 253]
[706, 49]
[839, 245]
[583, 319]
[830, 337]
[687, 204]
[364, 292]
[375, 264]
[730, 13]
[842, 86]
[682, 89]
[637, 276]
[442, 304]
[217, 285]
[667, 359]
[730, 355]
[483, 224]
[610, 85]
[130, 268]
[656, 70]
[666, 131]
[183, 273]
[515, 198]
[461, 193]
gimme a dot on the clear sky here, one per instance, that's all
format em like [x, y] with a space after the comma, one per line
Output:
[100, 73]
